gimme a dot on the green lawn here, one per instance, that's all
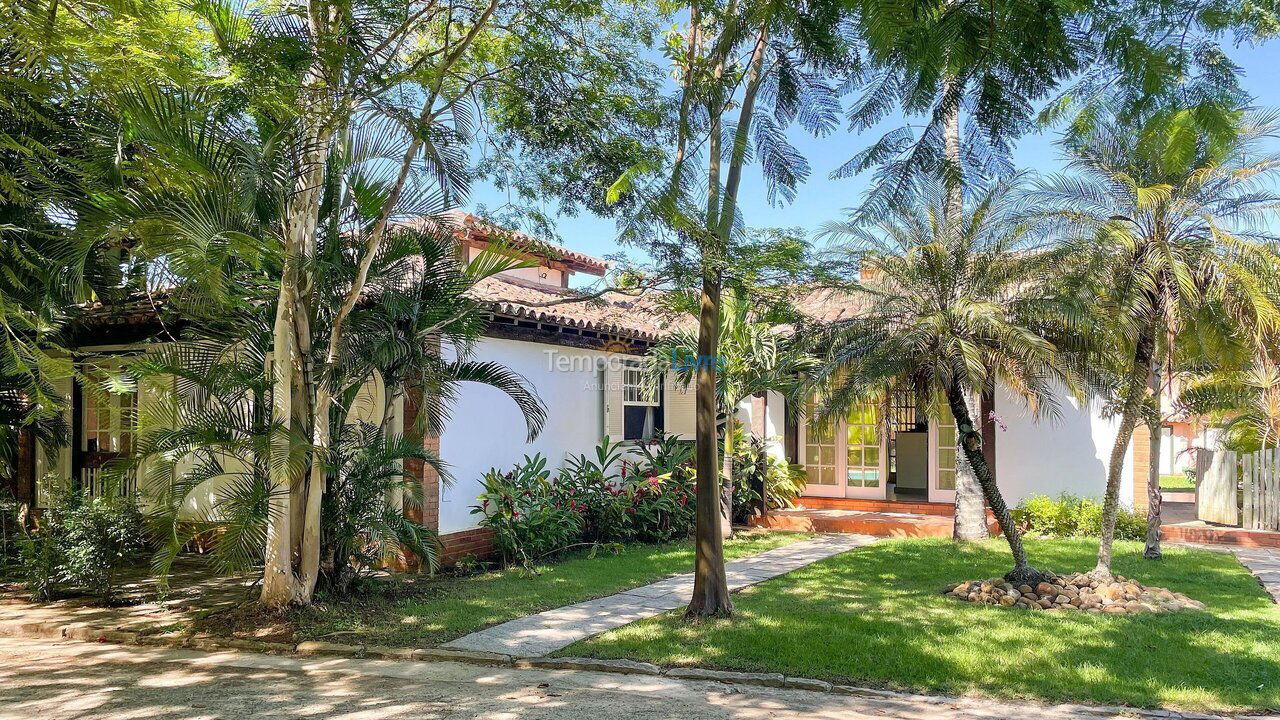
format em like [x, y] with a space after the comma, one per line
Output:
[1179, 481]
[436, 610]
[876, 616]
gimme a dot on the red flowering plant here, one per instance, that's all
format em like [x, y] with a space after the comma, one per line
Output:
[660, 503]
[528, 520]
[592, 486]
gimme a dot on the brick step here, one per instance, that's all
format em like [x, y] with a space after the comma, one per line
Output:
[1220, 536]
[909, 507]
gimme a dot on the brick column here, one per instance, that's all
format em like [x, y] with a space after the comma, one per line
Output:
[1141, 465]
[428, 514]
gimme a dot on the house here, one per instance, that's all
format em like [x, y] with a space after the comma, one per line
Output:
[583, 359]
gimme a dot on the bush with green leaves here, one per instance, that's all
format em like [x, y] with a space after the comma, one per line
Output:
[756, 469]
[360, 530]
[82, 543]
[589, 486]
[606, 497]
[525, 514]
[1072, 516]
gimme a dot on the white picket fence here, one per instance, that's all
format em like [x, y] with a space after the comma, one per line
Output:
[1260, 479]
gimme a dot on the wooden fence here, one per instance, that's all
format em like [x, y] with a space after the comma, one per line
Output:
[1260, 480]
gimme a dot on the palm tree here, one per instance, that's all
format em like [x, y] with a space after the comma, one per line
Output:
[215, 225]
[1173, 219]
[954, 307]
[754, 356]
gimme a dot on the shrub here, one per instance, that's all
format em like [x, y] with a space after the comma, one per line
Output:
[755, 468]
[591, 487]
[83, 543]
[526, 518]
[659, 508]
[604, 498]
[1072, 516]
[360, 530]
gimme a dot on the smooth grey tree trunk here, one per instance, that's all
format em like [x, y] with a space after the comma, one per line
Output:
[1154, 497]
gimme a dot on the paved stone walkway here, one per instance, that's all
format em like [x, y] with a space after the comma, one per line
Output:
[546, 632]
[1264, 563]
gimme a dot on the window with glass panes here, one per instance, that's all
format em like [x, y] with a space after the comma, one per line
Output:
[109, 421]
[946, 450]
[862, 447]
[820, 449]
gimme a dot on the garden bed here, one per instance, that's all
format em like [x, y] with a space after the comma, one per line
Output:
[875, 616]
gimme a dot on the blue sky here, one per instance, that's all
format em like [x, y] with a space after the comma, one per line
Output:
[822, 199]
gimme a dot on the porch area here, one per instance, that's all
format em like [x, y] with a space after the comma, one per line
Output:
[905, 518]
[880, 518]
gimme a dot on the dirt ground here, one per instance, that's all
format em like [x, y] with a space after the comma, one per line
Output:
[84, 681]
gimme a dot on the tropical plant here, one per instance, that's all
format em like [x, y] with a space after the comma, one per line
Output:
[1245, 401]
[590, 486]
[1174, 220]
[758, 471]
[1072, 516]
[82, 543]
[528, 521]
[362, 529]
[754, 356]
[954, 306]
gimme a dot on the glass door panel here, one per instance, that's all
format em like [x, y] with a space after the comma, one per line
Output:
[942, 487]
[820, 456]
[863, 471]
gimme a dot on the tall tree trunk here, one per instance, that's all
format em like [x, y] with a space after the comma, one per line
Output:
[970, 509]
[710, 586]
[1154, 497]
[971, 445]
[727, 480]
[279, 585]
[1129, 418]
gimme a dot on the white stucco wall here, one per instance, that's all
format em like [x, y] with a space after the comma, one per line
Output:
[1051, 456]
[775, 425]
[486, 429]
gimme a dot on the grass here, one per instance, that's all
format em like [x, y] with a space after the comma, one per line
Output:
[876, 616]
[435, 610]
[1178, 482]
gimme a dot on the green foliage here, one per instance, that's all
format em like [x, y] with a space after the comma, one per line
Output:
[1072, 516]
[359, 528]
[534, 516]
[755, 468]
[527, 520]
[82, 543]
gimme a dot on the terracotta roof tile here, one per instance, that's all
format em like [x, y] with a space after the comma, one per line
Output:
[637, 317]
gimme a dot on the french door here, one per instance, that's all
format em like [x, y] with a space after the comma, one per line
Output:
[845, 458]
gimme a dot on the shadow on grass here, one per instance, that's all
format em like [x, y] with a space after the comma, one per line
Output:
[877, 616]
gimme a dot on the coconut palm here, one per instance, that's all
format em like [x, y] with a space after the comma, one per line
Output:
[1173, 219]
[953, 308]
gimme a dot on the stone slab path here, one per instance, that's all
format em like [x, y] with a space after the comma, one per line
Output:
[546, 632]
[1264, 563]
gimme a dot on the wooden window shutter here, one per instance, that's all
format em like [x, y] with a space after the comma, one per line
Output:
[612, 395]
[679, 408]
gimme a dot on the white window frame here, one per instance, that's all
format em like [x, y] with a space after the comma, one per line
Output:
[636, 384]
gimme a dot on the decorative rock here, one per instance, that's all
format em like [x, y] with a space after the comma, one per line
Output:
[1078, 592]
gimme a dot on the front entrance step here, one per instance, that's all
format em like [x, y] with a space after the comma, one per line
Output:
[1219, 535]
[853, 521]
[906, 507]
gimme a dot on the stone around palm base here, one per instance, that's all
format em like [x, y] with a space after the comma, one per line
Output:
[1079, 592]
